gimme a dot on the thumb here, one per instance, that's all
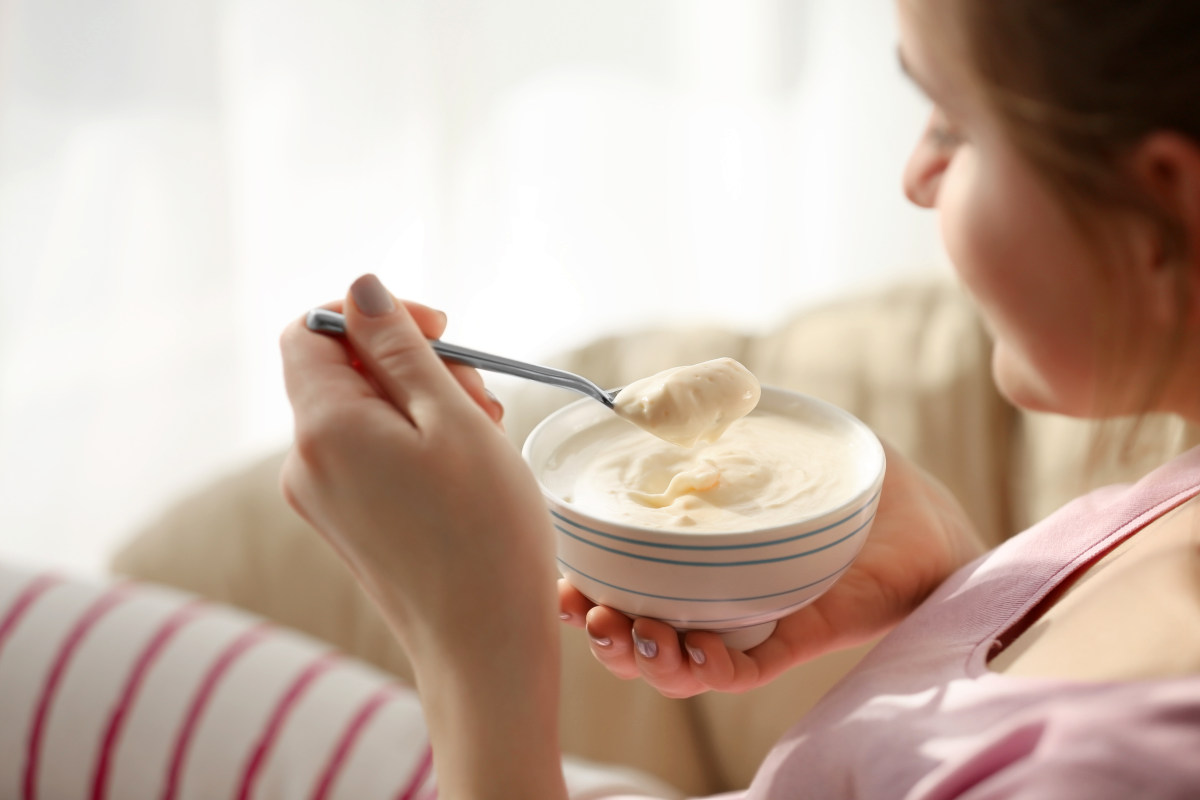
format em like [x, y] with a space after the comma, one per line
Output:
[394, 351]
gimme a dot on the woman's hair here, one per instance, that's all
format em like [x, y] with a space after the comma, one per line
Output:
[1080, 82]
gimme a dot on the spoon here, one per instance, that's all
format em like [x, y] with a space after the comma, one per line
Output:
[323, 320]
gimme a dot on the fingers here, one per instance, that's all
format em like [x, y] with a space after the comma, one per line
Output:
[573, 607]
[676, 666]
[644, 648]
[433, 324]
[318, 370]
[661, 660]
[430, 321]
[472, 381]
[395, 351]
[610, 635]
[721, 669]
[390, 338]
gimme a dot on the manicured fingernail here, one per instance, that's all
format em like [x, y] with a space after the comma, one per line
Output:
[497, 410]
[600, 641]
[371, 297]
[648, 648]
[696, 654]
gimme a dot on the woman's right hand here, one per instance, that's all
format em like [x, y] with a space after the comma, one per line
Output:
[399, 464]
[921, 535]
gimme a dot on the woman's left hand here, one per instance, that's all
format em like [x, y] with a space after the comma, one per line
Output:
[921, 535]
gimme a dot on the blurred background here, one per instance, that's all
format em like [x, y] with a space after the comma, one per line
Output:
[178, 180]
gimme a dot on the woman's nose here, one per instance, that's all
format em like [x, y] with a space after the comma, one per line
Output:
[924, 170]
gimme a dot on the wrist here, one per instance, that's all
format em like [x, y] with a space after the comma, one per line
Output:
[493, 716]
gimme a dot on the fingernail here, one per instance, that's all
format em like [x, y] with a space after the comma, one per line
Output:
[564, 616]
[371, 297]
[601, 641]
[647, 647]
[696, 654]
[497, 407]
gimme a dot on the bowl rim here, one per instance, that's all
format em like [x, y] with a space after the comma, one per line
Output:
[867, 494]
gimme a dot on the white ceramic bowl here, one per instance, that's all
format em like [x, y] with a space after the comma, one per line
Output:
[736, 583]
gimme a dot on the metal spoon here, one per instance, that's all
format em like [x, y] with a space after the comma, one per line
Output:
[323, 320]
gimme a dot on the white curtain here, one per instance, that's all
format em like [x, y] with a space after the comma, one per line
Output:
[179, 179]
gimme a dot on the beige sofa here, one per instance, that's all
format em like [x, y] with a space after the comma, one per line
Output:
[911, 360]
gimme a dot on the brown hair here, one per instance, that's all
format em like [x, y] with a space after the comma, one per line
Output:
[1080, 82]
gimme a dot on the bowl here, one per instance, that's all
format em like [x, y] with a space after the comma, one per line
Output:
[734, 582]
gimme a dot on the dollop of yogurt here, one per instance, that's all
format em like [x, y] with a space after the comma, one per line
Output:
[691, 404]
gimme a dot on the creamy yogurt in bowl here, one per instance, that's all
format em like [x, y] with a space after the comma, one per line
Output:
[728, 535]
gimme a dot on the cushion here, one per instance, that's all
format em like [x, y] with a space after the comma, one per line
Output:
[134, 691]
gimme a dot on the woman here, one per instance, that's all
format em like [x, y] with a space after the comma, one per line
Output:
[1063, 158]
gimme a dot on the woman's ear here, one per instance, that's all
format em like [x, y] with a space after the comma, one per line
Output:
[1167, 167]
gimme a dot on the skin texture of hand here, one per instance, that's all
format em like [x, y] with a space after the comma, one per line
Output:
[399, 464]
[920, 536]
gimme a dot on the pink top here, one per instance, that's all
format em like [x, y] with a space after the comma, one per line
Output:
[923, 717]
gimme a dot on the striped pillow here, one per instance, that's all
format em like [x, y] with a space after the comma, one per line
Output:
[128, 691]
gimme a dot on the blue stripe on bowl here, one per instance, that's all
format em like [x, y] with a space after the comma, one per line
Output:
[754, 562]
[627, 590]
[666, 546]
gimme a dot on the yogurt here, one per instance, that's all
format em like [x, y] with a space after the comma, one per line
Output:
[692, 404]
[767, 469]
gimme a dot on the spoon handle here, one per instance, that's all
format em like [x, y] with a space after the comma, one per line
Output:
[323, 320]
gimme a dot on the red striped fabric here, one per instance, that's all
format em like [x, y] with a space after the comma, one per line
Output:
[279, 716]
[346, 741]
[62, 659]
[29, 595]
[183, 739]
[424, 765]
[181, 617]
[146, 647]
[122, 706]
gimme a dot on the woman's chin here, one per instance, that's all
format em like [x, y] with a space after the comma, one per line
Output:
[1072, 394]
[1024, 388]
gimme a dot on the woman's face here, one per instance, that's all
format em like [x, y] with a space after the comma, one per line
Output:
[1036, 280]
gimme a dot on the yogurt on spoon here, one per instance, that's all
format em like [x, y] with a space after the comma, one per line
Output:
[691, 404]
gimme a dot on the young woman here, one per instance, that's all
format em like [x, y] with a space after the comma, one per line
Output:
[1063, 159]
